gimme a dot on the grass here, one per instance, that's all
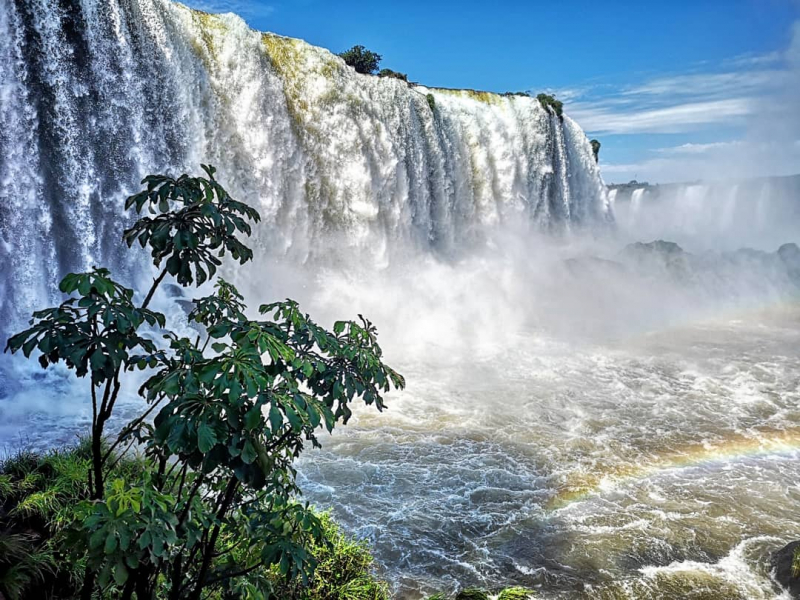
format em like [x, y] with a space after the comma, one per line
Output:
[38, 496]
[345, 570]
[515, 593]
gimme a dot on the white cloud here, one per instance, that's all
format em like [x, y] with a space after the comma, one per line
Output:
[738, 90]
[754, 97]
[752, 60]
[679, 118]
[712, 85]
[690, 148]
[739, 159]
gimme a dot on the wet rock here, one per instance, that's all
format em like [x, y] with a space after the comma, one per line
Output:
[781, 563]
[659, 247]
[592, 265]
[660, 259]
[666, 258]
[790, 256]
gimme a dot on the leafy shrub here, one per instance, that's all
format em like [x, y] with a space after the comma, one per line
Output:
[214, 506]
[344, 570]
[550, 103]
[520, 94]
[362, 60]
[393, 74]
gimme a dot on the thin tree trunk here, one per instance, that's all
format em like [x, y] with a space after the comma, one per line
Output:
[88, 584]
[209, 550]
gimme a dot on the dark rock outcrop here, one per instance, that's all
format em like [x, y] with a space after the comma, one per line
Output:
[781, 563]
[472, 594]
[790, 255]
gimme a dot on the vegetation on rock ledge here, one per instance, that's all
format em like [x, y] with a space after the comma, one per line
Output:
[362, 60]
[431, 101]
[550, 103]
[393, 74]
[596, 145]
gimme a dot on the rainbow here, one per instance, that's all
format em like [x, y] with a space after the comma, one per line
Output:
[734, 446]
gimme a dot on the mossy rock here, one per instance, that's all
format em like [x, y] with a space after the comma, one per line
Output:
[472, 594]
[431, 101]
[436, 597]
[516, 593]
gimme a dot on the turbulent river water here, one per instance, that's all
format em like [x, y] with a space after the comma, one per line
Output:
[584, 417]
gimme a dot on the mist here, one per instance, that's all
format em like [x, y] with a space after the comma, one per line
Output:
[598, 380]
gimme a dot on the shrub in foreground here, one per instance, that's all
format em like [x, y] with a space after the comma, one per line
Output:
[40, 496]
[214, 506]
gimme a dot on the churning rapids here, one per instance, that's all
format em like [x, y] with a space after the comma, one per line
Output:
[586, 417]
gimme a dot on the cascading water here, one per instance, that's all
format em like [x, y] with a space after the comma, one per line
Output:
[97, 94]
[583, 419]
[757, 213]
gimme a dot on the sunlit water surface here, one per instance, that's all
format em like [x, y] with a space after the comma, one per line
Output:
[660, 465]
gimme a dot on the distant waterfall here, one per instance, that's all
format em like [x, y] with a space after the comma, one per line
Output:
[761, 213]
[98, 93]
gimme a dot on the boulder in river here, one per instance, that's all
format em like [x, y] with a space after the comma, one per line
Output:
[472, 594]
[782, 562]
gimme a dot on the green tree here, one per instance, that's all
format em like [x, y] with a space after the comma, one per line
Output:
[216, 506]
[596, 149]
[362, 60]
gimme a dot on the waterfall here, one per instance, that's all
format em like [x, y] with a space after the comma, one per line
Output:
[98, 93]
[760, 213]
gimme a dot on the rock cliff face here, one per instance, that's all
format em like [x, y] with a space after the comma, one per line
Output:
[781, 563]
[99, 93]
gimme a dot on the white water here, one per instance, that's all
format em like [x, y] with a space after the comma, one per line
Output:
[759, 213]
[97, 96]
[591, 423]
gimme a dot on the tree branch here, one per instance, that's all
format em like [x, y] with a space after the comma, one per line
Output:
[156, 283]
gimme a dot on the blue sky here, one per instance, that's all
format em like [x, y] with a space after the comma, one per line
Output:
[674, 89]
